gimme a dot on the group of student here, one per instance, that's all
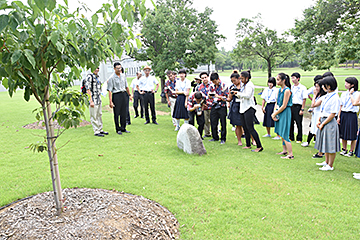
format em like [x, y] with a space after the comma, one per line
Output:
[333, 118]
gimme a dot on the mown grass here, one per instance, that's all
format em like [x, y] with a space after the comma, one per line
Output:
[229, 193]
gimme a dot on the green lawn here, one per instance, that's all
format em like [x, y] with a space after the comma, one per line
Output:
[229, 193]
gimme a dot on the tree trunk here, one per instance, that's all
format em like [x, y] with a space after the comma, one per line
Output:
[269, 68]
[163, 99]
[353, 64]
[208, 68]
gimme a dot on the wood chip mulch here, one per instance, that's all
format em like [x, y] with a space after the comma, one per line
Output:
[88, 214]
[41, 125]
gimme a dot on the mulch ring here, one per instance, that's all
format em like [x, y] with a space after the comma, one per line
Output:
[88, 214]
[41, 125]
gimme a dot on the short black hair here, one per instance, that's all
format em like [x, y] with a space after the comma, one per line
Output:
[317, 78]
[198, 95]
[246, 74]
[354, 81]
[183, 71]
[214, 76]
[235, 74]
[328, 74]
[169, 72]
[203, 73]
[296, 74]
[272, 80]
[329, 81]
[116, 64]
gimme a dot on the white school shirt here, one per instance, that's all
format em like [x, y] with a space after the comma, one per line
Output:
[299, 93]
[246, 95]
[330, 104]
[317, 110]
[345, 102]
[147, 83]
[310, 90]
[270, 95]
[182, 85]
[135, 82]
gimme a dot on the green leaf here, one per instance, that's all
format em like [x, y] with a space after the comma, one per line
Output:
[61, 66]
[39, 29]
[138, 43]
[60, 47]
[115, 3]
[41, 4]
[95, 19]
[4, 20]
[116, 30]
[4, 82]
[50, 4]
[27, 93]
[13, 23]
[118, 50]
[127, 48]
[66, 2]
[54, 37]
[142, 10]
[16, 56]
[30, 57]
[72, 27]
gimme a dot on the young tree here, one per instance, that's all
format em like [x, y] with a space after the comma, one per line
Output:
[39, 39]
[257, 40]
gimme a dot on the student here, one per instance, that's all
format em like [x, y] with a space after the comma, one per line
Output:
[196, 104]
[247, 111]
[315, 105]
[314, 92]
[217, 98]
[234, 111]
[347, 118]
[170, 94]
[328, 139]
[282, 114]
[299, 95]
[269, 96]
[182, 89]
[204, 88]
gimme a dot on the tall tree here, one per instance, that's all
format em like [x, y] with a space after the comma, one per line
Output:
[39, 39]
[175, 35]
[257, 40]
[325, 34]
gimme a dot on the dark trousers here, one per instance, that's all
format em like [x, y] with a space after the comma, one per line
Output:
[296, 118]
[120, 100]
[215, 115]
[247, 119]
[149, 99]
[199, 119]
[138, 98]
[128, 121]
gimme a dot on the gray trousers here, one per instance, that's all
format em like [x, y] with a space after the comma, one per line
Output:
[172, 104]
[207, 126]
[95, 118]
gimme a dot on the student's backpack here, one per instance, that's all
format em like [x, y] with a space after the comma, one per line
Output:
[83, 88]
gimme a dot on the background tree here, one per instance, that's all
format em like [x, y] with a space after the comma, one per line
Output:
[39, 39]
[327, 33]
[175, 36]
[257, 40]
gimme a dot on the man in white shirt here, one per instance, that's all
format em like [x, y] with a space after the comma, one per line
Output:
[146, 88]
[299, 95]
[137, 96]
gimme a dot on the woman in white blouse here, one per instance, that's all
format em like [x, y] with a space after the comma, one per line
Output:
[182, 89]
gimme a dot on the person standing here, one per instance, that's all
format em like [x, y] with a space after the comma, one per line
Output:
[299, 95]
[146, 88]
[217, 95]
[327, 136]
[269, 97]
[234, 110]
[170, 94]
[282, 114]
[247, 109]
[93, 89]
[182, 89]
[204, 88]
[137, 96]
[118, 98]
[128, 120]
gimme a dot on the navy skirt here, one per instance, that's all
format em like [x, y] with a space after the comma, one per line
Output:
[180, 112]
[234, 114]
[357, 146]
[268, 121]
[348, 126]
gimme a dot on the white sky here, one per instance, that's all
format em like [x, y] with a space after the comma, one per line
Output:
[279, 15]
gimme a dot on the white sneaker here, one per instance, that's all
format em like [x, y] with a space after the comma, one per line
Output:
[356, 177]
[233, 129]
[305, 144]
[177, 128]
[356, 173]
[322, 164]
[277, 138]
[326, 168]
[267, 135]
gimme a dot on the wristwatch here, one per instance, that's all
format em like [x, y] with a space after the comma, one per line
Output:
[302, 109]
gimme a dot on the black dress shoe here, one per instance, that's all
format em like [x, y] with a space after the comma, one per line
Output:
[119, 132]
[136, 116]
[147, 122]
[155, 122]
[213, 140]
[128, 123]
[142, 116]
[126, 131]
[222, 142]
[99, 135]
[105, 133]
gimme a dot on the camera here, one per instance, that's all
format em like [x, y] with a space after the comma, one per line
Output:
[234, 90]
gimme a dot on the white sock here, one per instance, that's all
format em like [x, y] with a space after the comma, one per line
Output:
[178, 122]
[186, 121]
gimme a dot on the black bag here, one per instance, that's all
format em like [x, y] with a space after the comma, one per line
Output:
[83, 88]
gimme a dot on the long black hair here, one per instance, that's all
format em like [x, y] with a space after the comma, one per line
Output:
[285, 77]
[246, 74]
[321, 92]
[353, 81]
